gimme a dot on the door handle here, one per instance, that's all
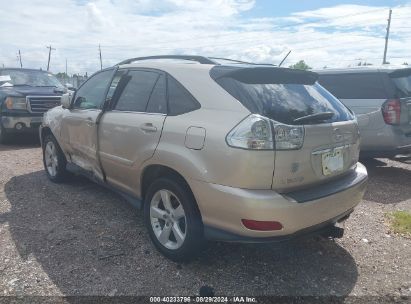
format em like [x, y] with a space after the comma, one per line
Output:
[148, 127]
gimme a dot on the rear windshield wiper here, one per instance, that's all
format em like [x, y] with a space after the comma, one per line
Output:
[315, 117]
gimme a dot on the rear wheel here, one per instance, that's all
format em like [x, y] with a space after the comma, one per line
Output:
[173, 220]
[54, 160]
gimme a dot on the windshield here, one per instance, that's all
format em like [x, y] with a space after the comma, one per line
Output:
[286, 103]
[403, 86]
[26, 77]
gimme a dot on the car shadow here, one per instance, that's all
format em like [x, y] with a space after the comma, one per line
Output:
[23, 141]
[387, 184]
[89, 241]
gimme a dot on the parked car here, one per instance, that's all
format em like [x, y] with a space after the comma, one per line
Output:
[25, 95]
[243, 153]
[381, 99]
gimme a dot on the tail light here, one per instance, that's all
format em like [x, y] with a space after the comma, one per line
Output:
[252, 133]
[257, 132]
[391, 111]
[288, 137]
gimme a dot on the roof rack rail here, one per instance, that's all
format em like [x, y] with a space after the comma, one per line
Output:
[199, 59]
[231, 60]
[241, 62]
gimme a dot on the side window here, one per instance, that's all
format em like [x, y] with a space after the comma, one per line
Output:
[158, 101]
[91, 94]
[137, 91]
[114, 83]
[355, 86]
[180, 100]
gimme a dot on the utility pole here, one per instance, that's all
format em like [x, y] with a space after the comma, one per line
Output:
[48, 62]
[384, 61]
[66, 72]
[101, 60]
[282, 61]
[21, 64]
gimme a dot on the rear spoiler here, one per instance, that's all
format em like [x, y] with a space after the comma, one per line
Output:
[400, 73]
[264, 75]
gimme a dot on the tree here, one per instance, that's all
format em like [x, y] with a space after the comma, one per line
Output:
[405, 63]
[62, 75]
[301, 65]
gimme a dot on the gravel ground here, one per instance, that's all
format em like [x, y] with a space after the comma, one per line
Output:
[81, 239]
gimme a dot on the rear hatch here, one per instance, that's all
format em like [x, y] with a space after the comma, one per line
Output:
[401, 81]
[315, 136]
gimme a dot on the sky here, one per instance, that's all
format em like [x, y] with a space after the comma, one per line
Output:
[324, 33]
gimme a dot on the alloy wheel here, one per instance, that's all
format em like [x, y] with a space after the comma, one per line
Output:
[168, 219]
[51, 159]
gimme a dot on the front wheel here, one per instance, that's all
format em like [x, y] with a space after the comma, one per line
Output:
[173, 219]
[54, 160]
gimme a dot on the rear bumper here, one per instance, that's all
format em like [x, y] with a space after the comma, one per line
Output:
[212, 233]
[222, 209]
[28, 123]
[386, 142]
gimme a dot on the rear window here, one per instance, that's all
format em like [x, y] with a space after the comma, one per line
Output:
[355, 86]
[402, 86]
[285, 102]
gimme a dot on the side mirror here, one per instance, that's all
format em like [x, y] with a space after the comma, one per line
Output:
[66, 100]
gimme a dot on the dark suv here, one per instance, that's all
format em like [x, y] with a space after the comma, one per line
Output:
[25, 95]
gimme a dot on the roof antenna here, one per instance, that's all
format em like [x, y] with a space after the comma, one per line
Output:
[282, 61]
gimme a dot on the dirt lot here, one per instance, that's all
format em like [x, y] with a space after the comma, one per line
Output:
[81, 239]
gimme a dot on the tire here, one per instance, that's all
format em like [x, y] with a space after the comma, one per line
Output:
[185, 229]
[54, 160]
[4, 137]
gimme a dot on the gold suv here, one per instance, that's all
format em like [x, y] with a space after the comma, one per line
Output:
[233, 152]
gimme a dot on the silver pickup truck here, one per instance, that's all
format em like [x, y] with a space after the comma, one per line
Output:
[381, 100]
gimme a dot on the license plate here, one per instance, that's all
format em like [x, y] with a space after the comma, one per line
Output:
[332, 161]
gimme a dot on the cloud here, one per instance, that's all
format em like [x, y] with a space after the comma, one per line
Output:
[333, 36]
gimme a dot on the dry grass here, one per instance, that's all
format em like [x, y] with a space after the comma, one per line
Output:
[400, 222]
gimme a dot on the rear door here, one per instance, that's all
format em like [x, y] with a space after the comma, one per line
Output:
[315, 136]
[129, 132]
[330, 148]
